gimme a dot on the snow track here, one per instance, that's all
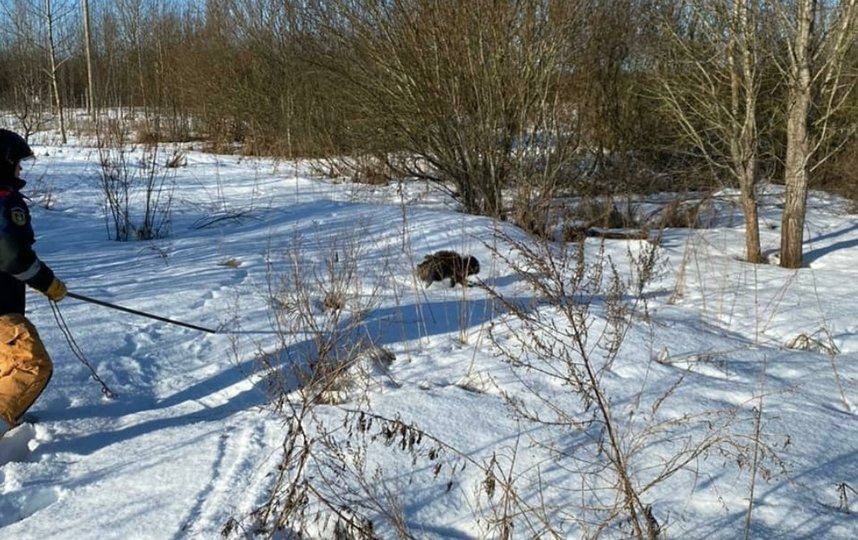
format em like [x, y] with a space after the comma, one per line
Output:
[236, 476]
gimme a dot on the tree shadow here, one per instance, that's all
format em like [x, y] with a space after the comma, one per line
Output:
[256, 396]
[816, 254]
[383, 326]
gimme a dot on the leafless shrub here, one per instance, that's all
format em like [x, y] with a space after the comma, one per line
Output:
[573, 341]
[137, 196]
[331, 480]
[426, 459]
[334, 362]
[325, 302]
[470, 92]
[363, 370]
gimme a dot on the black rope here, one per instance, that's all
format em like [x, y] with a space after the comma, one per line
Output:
[141, 313]
[78, 352]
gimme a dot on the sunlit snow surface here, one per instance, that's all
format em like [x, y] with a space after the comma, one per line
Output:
[192, 443]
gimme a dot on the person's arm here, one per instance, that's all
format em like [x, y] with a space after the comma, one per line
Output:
[17, 257]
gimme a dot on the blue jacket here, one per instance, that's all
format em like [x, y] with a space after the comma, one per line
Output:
[19, 264]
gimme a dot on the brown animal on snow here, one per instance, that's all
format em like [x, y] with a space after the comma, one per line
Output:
[447, 264]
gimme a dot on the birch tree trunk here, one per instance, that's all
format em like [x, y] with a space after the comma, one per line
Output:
[87, 37]
[817, 83]
[52, 53]
[798, 142]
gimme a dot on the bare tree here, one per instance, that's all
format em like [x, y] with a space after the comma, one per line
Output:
[711, 84]
[87, 36]
[54, 67]
[466, 89]
[821, 34]
[33, 82]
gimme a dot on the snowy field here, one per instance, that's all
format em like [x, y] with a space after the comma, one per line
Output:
[732, 388]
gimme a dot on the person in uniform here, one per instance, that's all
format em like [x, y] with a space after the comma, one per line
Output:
[25, 367]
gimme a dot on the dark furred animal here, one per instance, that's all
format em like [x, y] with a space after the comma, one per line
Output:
[447, 264]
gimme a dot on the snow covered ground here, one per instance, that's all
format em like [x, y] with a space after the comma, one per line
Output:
[191, 446]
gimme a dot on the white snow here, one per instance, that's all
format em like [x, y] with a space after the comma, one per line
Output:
[193, 441]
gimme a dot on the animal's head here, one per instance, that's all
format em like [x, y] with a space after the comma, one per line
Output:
[473, 265]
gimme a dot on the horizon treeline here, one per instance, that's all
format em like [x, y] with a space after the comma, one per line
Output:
[468, 92]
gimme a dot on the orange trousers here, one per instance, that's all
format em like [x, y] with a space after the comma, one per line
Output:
[25, 367]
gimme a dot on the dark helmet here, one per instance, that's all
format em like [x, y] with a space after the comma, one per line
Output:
[13, 148]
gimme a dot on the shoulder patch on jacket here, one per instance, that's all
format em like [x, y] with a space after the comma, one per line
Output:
[19, 217]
